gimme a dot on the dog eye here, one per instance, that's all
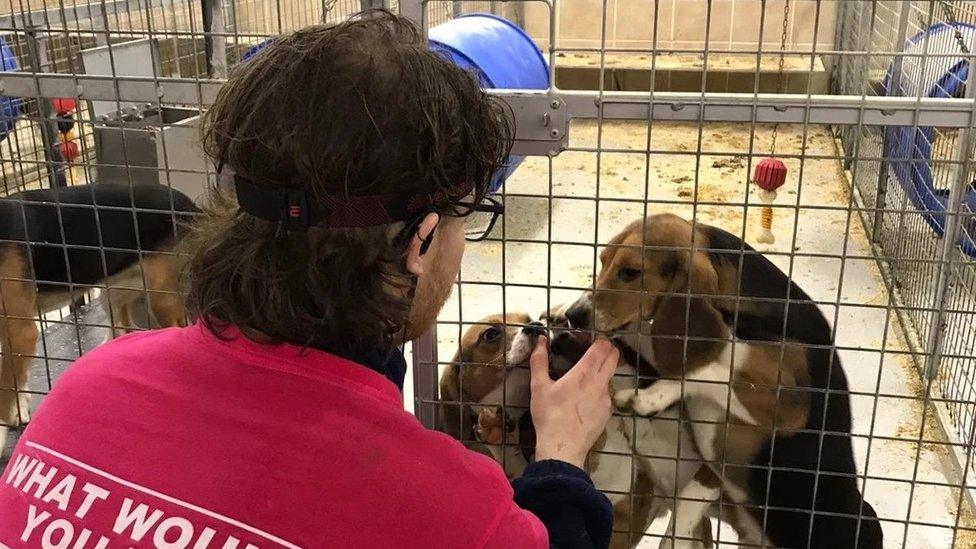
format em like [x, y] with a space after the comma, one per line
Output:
[491, 334]
[628, 275]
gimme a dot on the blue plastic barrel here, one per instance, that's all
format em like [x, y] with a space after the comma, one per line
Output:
[9, 106]
[499, 52]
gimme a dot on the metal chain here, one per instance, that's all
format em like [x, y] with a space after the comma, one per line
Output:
[782, 66]
[950, 15]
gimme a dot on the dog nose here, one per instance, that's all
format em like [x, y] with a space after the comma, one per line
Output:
[561, 343]
[534, 328]
[578, 315]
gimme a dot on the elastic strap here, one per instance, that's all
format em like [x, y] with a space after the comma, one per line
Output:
[297, 208]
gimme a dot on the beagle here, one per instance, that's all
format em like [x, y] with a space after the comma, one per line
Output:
[57, 244]
[751, 358]
[490, 372]
[640, 489]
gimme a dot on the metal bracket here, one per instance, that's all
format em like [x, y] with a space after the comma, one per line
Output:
[675, 106]
[541, 122]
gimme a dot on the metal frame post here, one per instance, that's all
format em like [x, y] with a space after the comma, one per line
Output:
[371, 4]
[413, 10]
[881, 195]
[519, 14]
[425, 378]
[101, 23]
[425, 347]
[961, 157]
[215, 46]
[37, 50]
[839, 38]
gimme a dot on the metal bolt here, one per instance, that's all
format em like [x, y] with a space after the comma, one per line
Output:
[554, 104]
[780, 108]
[554, 133]
[677, 107]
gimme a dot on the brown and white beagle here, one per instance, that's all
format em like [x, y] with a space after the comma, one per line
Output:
[640, 488]
[751, 357]
[489, 377]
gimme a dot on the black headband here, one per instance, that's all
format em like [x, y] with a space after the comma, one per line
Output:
[297, 208]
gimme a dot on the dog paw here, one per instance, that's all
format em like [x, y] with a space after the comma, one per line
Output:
[491, 426]
[23, 408]
[623, 399]
[648, 403]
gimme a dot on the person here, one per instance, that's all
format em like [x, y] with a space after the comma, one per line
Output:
[276, 419]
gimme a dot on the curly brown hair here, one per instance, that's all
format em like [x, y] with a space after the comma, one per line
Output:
[358, 108]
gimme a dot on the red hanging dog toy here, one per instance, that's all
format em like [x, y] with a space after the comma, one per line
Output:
[770, 175]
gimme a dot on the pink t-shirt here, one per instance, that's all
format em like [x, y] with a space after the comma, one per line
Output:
[177, 439]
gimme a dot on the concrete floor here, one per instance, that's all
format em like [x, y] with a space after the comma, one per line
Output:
[889, 413]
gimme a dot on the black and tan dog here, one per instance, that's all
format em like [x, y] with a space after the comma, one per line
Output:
[751, 357]
[56, 244]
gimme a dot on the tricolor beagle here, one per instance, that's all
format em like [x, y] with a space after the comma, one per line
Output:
[751, 357]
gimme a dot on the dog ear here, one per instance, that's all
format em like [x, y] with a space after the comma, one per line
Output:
[691, 272]
[692, 318]
[680, 319]
[687, 272]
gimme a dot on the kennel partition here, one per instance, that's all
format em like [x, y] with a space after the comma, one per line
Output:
[662, 105]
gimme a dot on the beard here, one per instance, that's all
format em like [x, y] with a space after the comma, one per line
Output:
[431, 294]
[434, 287]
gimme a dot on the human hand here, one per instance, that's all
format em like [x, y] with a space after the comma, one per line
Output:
[570, 414]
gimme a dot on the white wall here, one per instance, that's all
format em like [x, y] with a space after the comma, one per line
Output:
[681, 24]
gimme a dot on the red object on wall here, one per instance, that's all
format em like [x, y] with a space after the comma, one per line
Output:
[69, 150]
[62, 106]
[770, 174]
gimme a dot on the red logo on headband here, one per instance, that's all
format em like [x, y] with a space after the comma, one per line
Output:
[294, 211]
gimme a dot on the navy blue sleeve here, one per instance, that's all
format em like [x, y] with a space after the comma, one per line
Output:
[576, 514]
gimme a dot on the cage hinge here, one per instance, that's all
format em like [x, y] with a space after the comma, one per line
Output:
[541, 122]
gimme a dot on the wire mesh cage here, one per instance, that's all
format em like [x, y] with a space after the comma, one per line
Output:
[625, 111]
